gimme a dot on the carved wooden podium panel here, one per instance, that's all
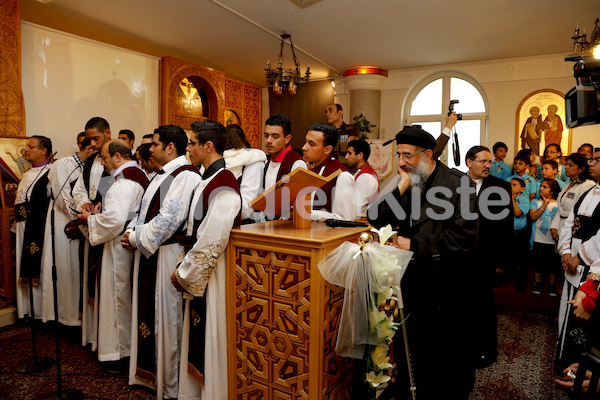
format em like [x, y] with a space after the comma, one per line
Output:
[282, 315]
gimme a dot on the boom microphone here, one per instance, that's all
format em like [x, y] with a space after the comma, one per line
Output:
[342, 223]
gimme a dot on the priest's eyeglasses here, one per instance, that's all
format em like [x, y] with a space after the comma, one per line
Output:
[483, 162]
[407, 156]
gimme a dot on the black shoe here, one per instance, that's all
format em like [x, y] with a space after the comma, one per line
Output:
[537, 288]
[486, 359]
[114, 367]
[552, 291]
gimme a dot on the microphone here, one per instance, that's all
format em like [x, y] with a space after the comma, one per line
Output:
[342, 223]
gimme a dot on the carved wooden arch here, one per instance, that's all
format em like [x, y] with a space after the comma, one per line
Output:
[12, 105]
[173, 72]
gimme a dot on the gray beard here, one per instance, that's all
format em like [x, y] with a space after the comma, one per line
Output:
[419, 174]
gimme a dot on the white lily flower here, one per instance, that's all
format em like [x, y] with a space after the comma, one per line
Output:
[376, 380]
[383, 296]
[384, 233]
[375, 317]
[379, 354]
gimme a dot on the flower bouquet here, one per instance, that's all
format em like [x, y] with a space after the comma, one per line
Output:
[370, 272]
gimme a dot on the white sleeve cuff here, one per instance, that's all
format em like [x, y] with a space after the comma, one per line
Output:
[446, 131]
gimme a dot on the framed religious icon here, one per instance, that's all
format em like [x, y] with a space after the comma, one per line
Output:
[12, 162]
[382, 157]
[540, 117]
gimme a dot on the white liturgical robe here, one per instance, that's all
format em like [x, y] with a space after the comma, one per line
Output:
[28, 180]
[81, 196]
[148, 238]
[120, 204]
[63, 173]
[204, 269]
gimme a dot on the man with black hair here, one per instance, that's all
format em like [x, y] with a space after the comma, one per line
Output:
[495, 232]
[62, 177]
[31, 205]
[434, 211]
[80, 138]
[147, 139]
[128, 137]
[85, 192]
[157, 315]
[119, 205]
[88, 192]
[282, 159]
[201, 276]
[146, 161]
[334, 115]
[336, 199]
[367, 181]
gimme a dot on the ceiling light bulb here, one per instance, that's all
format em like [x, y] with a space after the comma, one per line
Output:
[596, 52]
[292, 88]
[277, 89]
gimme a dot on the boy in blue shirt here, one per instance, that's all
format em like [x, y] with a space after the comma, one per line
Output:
[499, 168]
[521, 166]
[521, 205]
[549, 171]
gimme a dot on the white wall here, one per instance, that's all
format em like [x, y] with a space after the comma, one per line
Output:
[505, 82]
[67, 79]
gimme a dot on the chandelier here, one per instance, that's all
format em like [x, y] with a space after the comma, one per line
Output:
[583, 46]
[282, 78]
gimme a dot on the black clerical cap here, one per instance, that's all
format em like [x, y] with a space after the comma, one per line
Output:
[416, 136]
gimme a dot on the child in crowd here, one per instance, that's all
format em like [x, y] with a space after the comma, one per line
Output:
[499, 168]
[543, 254]
[521, 205]
[553, 152]
[549, 171]
[587, 149]
[533, 168]
[520, 167]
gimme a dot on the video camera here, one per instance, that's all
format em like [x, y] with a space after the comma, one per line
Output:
[451, 109]
[582, 103]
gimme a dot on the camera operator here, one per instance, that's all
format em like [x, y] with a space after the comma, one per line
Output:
[442, 140]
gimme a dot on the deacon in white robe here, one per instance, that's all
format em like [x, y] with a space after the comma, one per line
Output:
[204, 269]
[23, 195]
[120, 205]
[82, 196]
[86, 193]
[62, 176]
[149, 237]
[201, 276]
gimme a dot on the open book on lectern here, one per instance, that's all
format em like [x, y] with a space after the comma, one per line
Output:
[283, 194]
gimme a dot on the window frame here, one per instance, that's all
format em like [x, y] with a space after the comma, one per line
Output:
[446, 76]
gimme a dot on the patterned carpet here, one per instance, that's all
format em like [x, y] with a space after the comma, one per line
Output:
[523, 370]
[526, 347]
[80, 368]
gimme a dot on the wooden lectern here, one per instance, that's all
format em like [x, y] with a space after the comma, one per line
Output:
[294, 190]
[282, 315]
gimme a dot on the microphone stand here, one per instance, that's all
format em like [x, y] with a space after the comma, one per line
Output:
[60, 393]
[34, 364]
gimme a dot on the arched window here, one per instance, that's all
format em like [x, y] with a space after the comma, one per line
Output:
[427, 103]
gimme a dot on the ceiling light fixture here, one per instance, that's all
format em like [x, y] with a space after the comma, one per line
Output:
[289, 78]
[581, 44]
